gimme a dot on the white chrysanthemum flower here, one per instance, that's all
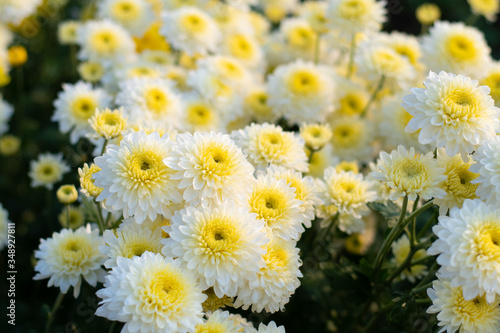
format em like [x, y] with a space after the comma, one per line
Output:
[211, 169]
[305, 190]
[456, 48]
[375, 60]
[352, 98]
[4, 227]
[176, 4]
[67, 32]
[405, 45]
[488, 167]
[14, 11]
[245, 48]
[347, 191]
[6, 111]
[134, 178]
[75, 105]
[459, 184]
[270, 328]
[191, 30]
[468, 248]
[150, 99]
[276, 10]
[151, 294]
[255, 105]
[352, 16]
[135, 15]
[301, 91]
[454, 313]
[300, 39]
[47, 170]
[130, 241]
[266, 144]
[492, 80]
[275, 283]
[452, 112]
[68, 256]
[393, 119]
[315, 14]
[231, 19]
[274, 201]
[222, 245]
[352, 138]
[105, 42]
[200, 115]
[401, 248]
[407, 173]
[219, 321]
[488, 8]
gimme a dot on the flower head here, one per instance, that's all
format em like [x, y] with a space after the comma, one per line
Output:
[47, 170]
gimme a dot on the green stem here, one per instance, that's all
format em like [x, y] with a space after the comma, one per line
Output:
[67, 217]
[100, 220]
[418, 290]
[330, 226]
[427, 225]
[420, 261]
[373, 96]
[407, 263]
[471, 20]
[53, 311]
[112, 328]
[420, 210]
[386, 245]
[316, 49]
[413, 231]
[104, 146]
[350, 67]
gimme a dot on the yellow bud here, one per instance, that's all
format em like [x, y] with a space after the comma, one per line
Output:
[428, 13]
[67, 194]
[9, 145]
[17, 55]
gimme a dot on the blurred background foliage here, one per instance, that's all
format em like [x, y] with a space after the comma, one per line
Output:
[333, 295]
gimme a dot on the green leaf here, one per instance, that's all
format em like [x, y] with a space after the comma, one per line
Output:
[389, 210]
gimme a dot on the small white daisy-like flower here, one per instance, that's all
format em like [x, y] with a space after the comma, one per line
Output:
[211, 169]
[130, 241]
[245, 48]
[68, 256]
[255, 105]
[352, 98]
[200, 114]
[305, 190]
[269, 328]
[135, 15]
[457, 48]
[274, 201]
[275, 283]
[6, 111]
[266, 144]
[134, 178]
[351, 16]
[67, 32]
[105, 42]
[219, 321]
[488, 167]
[14, 11]
[347, 191]
[300, 39]
[301, 91]
[222, 245]
[459, 184]
[76, 105]
[150, 99]
[468, 248]
[4, 227]
[108, 123]
[452, 112]
[315, 14]
[455, 313]
[407, 173]
[151, 294]
[47, 170]
[191, 30]
[401, 248]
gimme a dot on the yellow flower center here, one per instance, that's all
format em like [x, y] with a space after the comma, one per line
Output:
[302, 37]
[257, 103]
[83, 107]
[218, 238]
[272, 144]
[230, 69]
[137, 248]
[347, 166]
[353, 9]
[165, 292]
[276, 257]
[199, 115]
[142, 71]
[459, 105]
[493, 81]
[408, 52]
[193, 23]
[461, 48]
[387, 61]
[487, 241]
[145, 168]
[210, 328]
[409, 174]
[459, 180]
[346, 135]
[304, 82]
[241, 47]
[75, 250]
[125, 10]
[104, 42]
[473, 310]
[352, 104]
[47, 172]
[269, 204]
[217, 161]
[156, 100]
